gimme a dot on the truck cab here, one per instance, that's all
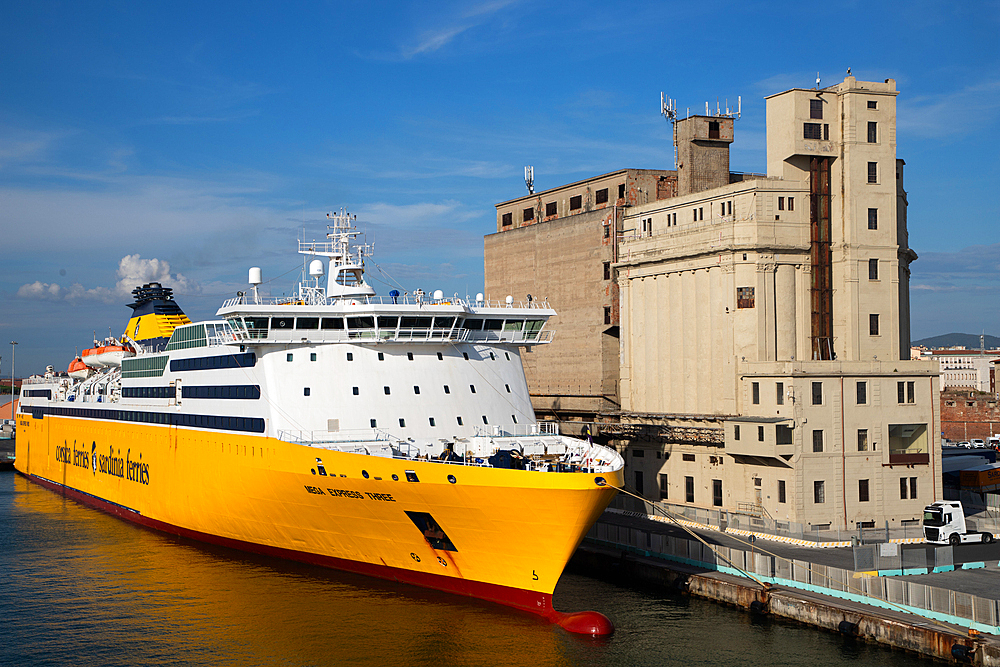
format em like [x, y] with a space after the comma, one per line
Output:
[944, 523]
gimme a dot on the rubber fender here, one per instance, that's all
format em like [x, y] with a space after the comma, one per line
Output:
[758, 607]
[962, 653]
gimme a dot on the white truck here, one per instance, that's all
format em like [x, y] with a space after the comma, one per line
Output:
[944, 523]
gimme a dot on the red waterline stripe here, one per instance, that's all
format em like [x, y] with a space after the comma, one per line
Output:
[531, 601]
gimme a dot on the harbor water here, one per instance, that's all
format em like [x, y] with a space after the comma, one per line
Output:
[84, 588]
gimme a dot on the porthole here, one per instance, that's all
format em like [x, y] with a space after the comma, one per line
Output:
[466, 355]
[364, 473]
[507, 354]
[451, 478]
[409, 356]
[312, 470]
[381, 356]
[395, 477]
[440, 357]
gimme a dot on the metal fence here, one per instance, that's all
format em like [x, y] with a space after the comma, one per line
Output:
[762, 523]
[902, 594]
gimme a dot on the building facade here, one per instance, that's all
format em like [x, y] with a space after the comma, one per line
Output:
[773, 315]
[749, 334]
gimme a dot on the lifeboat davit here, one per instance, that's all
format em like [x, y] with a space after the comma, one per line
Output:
[108, 353]
[78, 369]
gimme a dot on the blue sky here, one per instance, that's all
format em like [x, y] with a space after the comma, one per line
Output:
[186, 142]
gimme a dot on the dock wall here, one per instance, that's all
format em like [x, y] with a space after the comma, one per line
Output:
[932, 621]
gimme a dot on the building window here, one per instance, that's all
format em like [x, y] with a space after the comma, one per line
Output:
[701, 213]
[736, 432]
[818, 440]
[903, 488]
[689, 489]
[621, 191]
[687, 457]
[812, 131]
[781, 203]
[664, 489]
[528, 214]
[791, 204]
[872, 104]
[872, 132]
[601, 196]
[576, 203]
[910, 392]
[744, 296]
[873, 172]
[873, 324]
[638, 453]
[717, 492]
[862, 389]
[607, 232]
[607, 314]
[862, 490]
[862, 440]
[817, 393]
[913, 488]
[755, 390]
[550, 208]
[760, 434]
[873, 218]
[872, 269]
[826, 132]
[779, 393]
[816, 108]
[713, 129]
[646, 228]
[819, 492]
[782, 435]
[781, 491]
[607, 270]
[508, 218]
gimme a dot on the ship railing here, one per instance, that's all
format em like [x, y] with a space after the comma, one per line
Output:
[540, 428]
[404, 299]
[319, 438]
[419, 335]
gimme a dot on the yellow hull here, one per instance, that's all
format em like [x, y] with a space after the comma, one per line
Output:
[513, 531]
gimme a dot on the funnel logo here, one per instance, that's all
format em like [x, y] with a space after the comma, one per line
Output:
[93, 457]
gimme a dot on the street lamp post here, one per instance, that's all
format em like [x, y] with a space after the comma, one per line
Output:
[12, 344]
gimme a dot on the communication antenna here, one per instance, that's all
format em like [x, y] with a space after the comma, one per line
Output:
[668, 109]
[529, 179]
[817, 79]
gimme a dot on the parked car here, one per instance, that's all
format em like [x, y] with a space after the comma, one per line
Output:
[966, 444]
[977, 443]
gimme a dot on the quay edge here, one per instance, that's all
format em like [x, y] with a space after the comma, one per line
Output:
[897, 630]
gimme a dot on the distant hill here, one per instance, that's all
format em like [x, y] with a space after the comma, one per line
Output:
[970, 341]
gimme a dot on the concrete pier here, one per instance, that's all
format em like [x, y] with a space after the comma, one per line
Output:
[936, 639]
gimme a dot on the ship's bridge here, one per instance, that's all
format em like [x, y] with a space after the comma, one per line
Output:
[389, 319]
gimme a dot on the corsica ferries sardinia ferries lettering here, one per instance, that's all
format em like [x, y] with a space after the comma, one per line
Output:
[415, 403]
[107, 464]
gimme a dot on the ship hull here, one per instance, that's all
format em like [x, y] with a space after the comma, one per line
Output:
[508, 534]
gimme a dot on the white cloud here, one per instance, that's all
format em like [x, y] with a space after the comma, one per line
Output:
[132, 272]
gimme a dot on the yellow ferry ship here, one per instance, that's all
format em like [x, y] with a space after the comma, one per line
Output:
[392, 437]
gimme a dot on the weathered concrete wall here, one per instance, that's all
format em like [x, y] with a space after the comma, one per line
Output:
[862, 622]
[966, 414]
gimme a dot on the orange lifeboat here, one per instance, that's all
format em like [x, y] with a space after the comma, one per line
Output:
[108, 353]
[79, 370]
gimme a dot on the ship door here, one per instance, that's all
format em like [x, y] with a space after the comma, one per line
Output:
[177, 392]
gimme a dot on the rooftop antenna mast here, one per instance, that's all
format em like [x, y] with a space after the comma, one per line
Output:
[529, 179]
[668, 109]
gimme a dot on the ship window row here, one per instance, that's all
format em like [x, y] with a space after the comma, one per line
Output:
[218, 422]
[38, 393]
[432, 422]
[144, 367]
[243, 360]
[258, 326]
[386, 390]
[205, 391]
[184, 338]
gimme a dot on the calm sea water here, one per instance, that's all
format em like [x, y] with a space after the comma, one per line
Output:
[83, 588]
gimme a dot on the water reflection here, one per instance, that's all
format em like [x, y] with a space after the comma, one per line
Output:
[86, 588]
